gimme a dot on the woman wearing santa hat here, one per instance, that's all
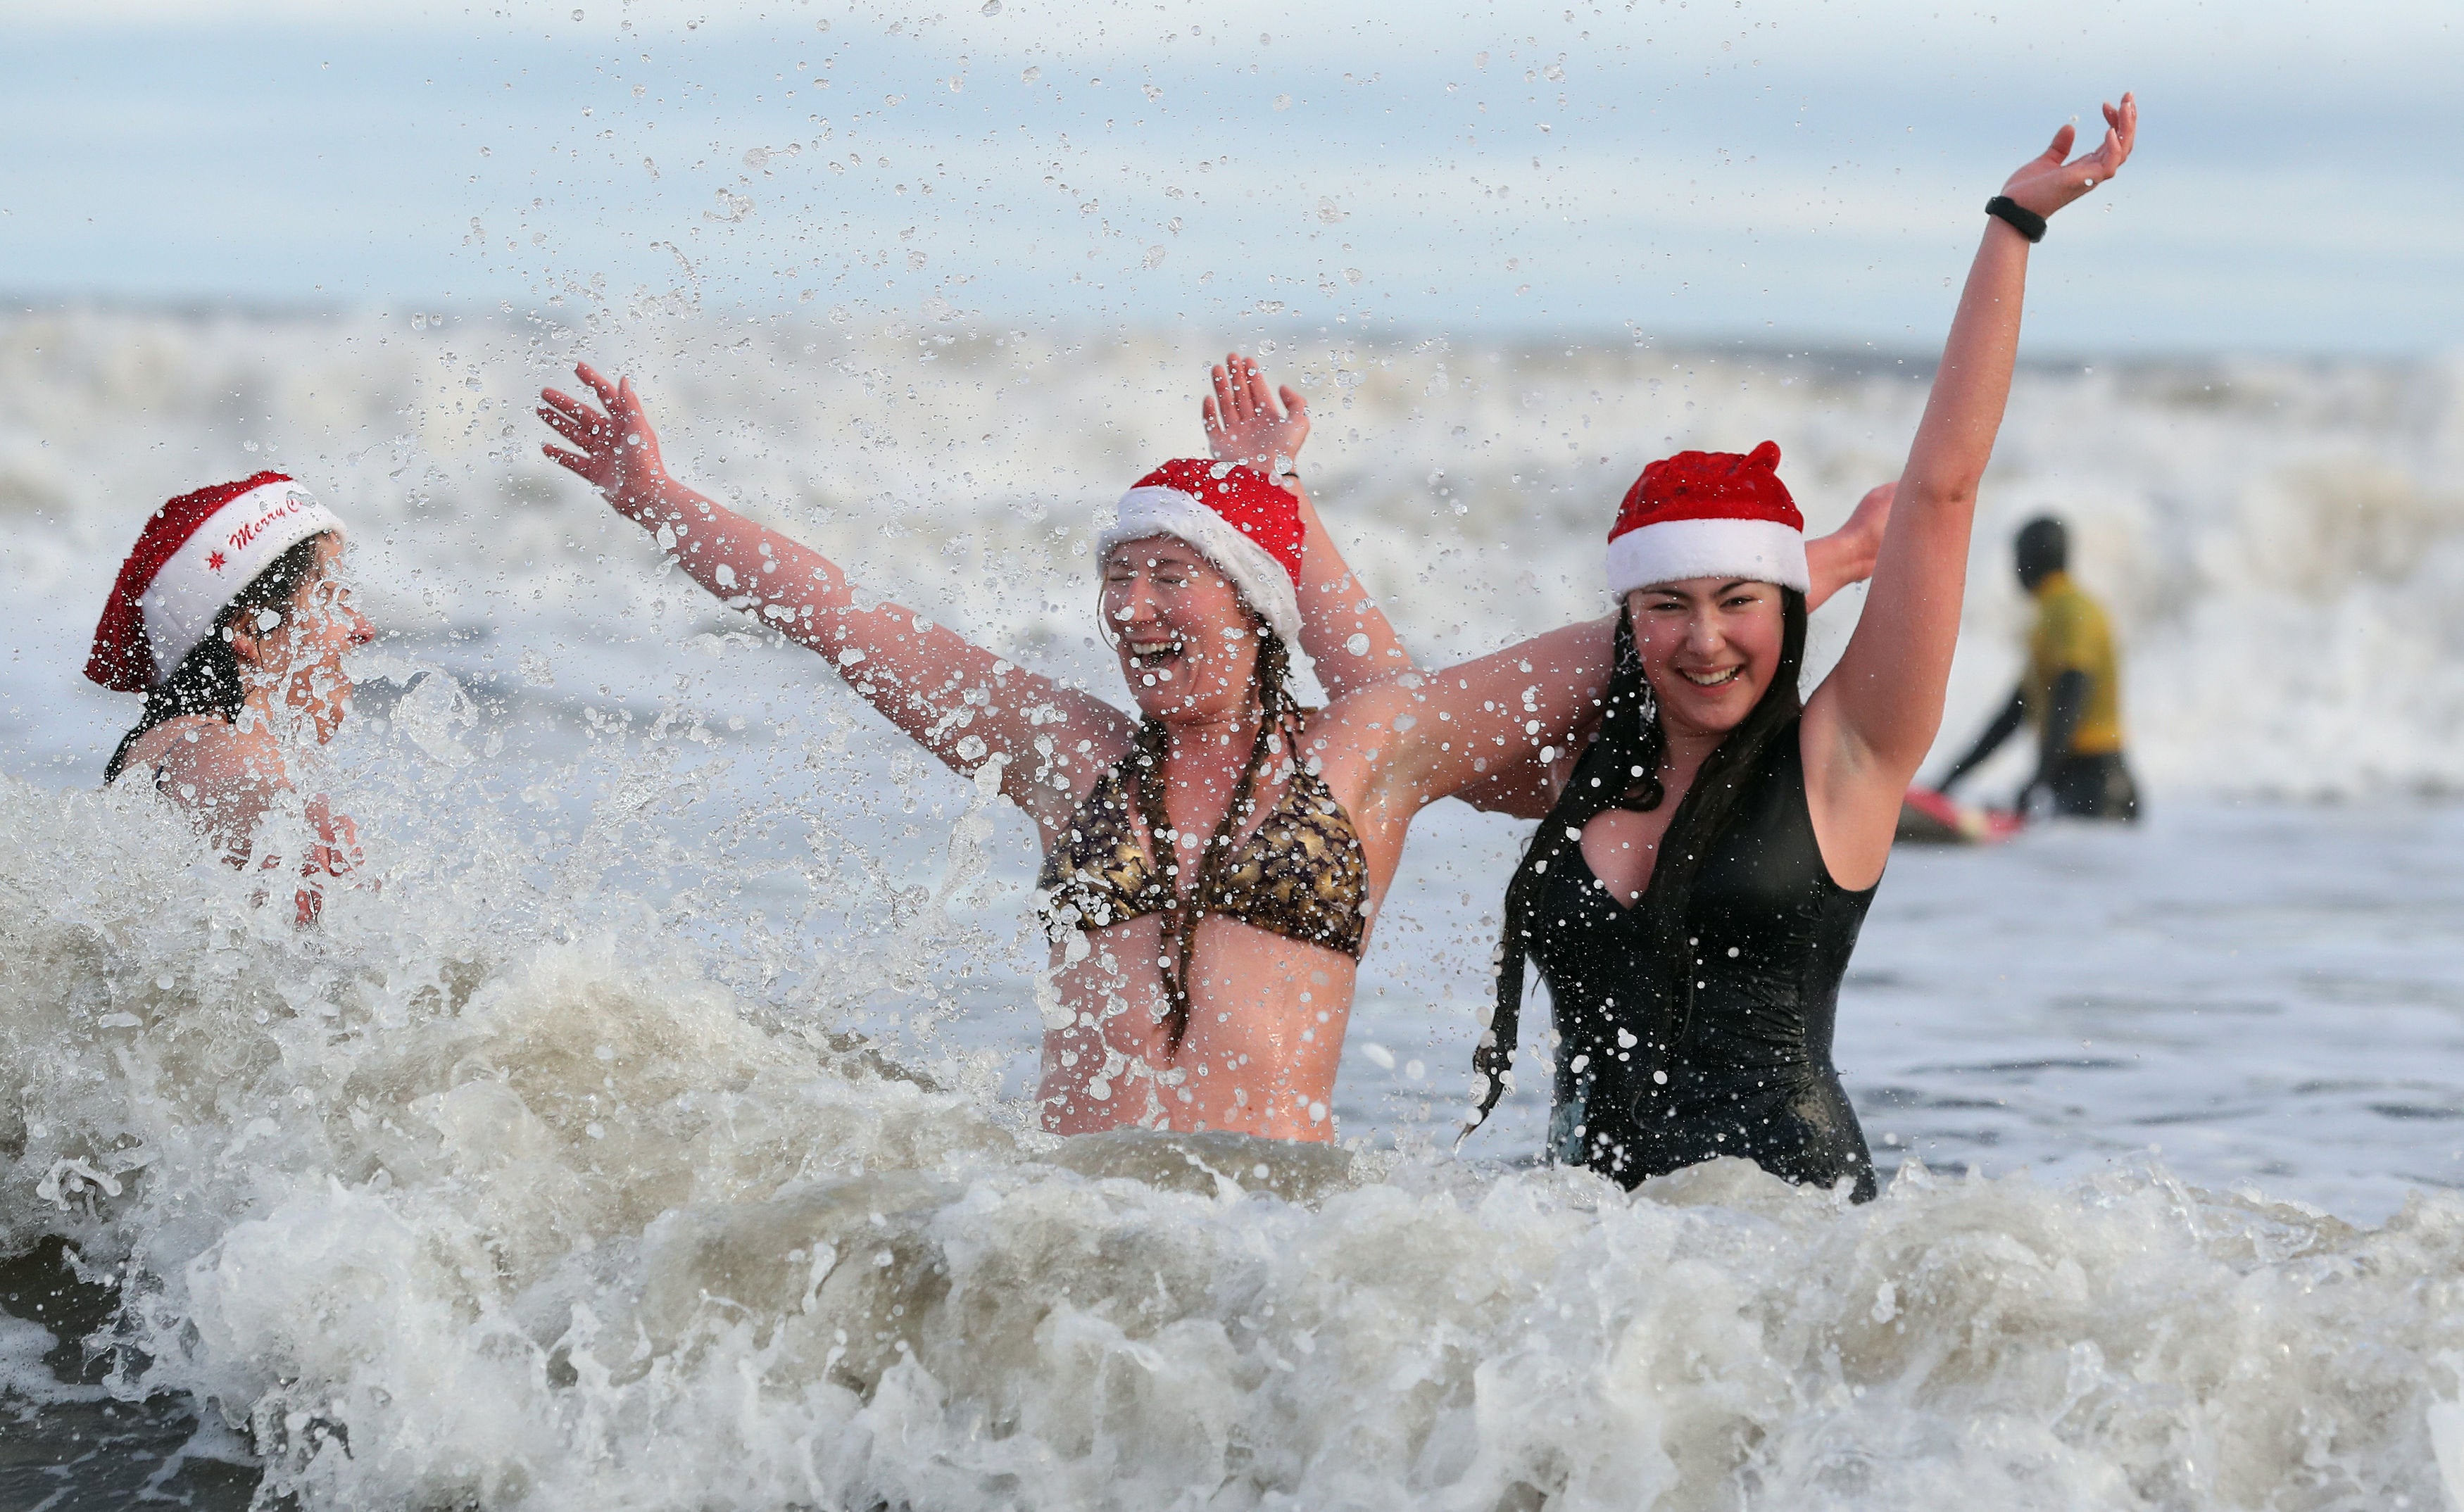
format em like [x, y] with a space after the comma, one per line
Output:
[227, 617]
[1711, 843]
[1213, 865]
[1348, 638]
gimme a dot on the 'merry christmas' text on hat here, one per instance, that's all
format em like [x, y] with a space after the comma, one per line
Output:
[1236, 517]
[1708, 515]
[191, 560]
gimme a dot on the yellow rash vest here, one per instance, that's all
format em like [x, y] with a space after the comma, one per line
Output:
[2072, 634]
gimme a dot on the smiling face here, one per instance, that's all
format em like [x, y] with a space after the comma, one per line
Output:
[295, 656]
[1187, 644]
[1710, 647]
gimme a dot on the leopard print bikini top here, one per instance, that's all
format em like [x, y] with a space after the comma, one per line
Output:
[1302, 874]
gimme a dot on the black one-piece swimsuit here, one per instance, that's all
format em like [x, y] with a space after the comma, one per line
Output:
[1647, 1081]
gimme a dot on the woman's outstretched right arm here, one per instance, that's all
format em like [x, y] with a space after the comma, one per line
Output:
[957, 700]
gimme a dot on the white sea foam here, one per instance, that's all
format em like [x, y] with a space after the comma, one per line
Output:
[2281, 541]
[443, 1208]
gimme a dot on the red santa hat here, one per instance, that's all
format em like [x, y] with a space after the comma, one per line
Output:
[1708, 515]
[191, 560]
[1236, 517]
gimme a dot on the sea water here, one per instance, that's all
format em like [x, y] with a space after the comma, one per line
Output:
[652, 1132]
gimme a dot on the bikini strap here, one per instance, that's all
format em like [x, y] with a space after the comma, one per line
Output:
[1183, 907]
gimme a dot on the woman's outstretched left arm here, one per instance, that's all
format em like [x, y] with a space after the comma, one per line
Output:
[1872, 719]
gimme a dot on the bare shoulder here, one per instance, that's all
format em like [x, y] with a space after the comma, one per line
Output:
[204, 758]
[1064, 761]
[1378, 746]
[178, 748]
[1366, 714]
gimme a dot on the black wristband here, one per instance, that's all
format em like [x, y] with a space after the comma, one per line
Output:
[2017, 216]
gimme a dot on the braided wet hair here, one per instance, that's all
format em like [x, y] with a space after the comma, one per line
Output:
[1183, 908]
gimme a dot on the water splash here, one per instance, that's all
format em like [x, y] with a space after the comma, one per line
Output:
[441, 1208]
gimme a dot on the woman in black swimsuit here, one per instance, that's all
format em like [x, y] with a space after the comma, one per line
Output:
[1709, 844]
[1695, 993]
[1694, 890]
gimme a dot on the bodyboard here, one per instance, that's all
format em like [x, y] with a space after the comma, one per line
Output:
[1927, 818]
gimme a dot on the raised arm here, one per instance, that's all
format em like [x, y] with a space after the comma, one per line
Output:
[1872, 719]
[1343, 630]
[957, 700]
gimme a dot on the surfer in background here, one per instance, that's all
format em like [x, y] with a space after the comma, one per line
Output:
[228, 617]
[1213, 864]
[2071, 692]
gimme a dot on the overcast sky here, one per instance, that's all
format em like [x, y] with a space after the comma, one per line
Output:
[1787, 171]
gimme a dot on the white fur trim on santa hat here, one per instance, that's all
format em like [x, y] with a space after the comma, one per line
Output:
[1261, 579]
[1763, 549]
[191, 589]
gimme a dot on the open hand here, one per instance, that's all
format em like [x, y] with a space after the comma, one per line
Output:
[2044, 184]
[617, 453]
[1244, 424]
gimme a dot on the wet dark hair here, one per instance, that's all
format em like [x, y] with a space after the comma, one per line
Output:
[1278, 709]
[2043, 548]
[1620, 769]
[207, 679]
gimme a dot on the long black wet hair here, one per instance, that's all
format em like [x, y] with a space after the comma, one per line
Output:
[1620, 769]
[207, 680]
